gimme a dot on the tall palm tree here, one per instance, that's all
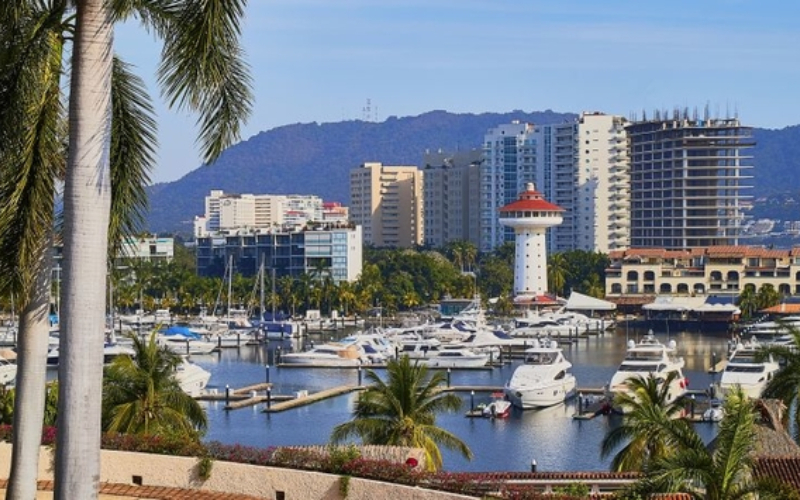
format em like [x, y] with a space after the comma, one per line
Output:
[402, 412]
[202, 71]
[720, 471]
[647, 412]
[142, 396]
[32, 158]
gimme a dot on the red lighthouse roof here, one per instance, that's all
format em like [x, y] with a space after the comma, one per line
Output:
[531, 200]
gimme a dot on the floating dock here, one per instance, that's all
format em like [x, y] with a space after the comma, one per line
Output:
[312, 398]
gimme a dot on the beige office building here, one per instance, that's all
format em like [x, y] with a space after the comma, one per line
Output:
[386, 201]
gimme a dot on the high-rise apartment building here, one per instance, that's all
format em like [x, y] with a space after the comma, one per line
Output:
[386, 201]
[231, 213]
[451, 188]
[581, 166]
[509, 153]
[687, 178]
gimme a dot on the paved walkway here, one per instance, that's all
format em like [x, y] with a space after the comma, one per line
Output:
[130, 491]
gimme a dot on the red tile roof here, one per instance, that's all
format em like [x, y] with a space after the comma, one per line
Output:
[785, 469]
[531, 200]
[782, 309]
[152, 492]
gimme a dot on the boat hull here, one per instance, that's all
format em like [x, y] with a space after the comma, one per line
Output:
[290, 359]
[541, 396]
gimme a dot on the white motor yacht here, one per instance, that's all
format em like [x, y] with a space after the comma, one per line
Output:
[650, 357]
[331, 354]
[743, 370]
[192, 377]
[110, 352]
[429, 352]
[543, 379]
[375, 344]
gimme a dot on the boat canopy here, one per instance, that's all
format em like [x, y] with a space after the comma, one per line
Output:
[696, 304]
[181, 331]
[580, 302]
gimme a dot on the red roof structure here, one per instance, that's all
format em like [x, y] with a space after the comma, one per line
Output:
[531, 200]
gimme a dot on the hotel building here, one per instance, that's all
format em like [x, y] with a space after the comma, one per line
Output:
[702, 270]
[231, 213]
[386, 201]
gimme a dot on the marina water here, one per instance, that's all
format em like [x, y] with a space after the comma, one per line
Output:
[550, 436]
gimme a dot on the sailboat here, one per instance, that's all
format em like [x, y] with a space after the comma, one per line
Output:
[273, 328]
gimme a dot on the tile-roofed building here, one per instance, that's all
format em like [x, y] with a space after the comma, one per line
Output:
[701, 272]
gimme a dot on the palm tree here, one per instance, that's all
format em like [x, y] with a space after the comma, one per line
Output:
[767, 296]
[557, 273]
[747, 301]
[202, 71]
[142, 396]
[720, 471]
[32, 158]
[647, 411]
[785, 385]
[402, 412]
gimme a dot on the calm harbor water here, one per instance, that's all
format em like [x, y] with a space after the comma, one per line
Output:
[550, 436]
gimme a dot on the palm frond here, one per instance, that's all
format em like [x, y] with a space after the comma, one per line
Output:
[203, 69]
[31, 154]
[133, 143]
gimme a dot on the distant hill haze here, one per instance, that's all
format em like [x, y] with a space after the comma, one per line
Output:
[317, 158]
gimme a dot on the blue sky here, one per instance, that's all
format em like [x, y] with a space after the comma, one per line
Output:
[321, 60]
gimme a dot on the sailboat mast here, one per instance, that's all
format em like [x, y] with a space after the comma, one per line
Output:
[230, 286]
[261, 289]
[273, 294]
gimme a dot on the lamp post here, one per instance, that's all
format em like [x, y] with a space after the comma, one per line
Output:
[266, 369]
[448, 377]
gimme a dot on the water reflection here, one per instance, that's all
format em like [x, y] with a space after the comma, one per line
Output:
[550, 436]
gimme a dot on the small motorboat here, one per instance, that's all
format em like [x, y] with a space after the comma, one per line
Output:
[715, 412]
[498, 408]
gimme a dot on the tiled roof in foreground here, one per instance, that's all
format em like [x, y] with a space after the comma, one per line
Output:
[152, 492]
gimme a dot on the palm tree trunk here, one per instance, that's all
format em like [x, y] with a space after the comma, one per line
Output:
[32, 345]
[87, 202]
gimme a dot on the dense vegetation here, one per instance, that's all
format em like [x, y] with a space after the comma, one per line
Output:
[391, 280]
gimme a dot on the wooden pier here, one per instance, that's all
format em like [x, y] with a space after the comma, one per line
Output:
[312, 398]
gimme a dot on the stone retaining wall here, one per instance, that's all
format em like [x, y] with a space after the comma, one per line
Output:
[268, 482]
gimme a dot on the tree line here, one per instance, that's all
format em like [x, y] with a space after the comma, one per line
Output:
[391, 280]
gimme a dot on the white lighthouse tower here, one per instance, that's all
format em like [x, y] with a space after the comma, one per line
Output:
[530, 216]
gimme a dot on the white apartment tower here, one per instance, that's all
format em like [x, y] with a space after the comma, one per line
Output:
[386, 201]
[509, 160]
[581, 166]
[231, 213]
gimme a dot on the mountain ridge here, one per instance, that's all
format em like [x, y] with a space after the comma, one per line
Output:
[316, 158]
